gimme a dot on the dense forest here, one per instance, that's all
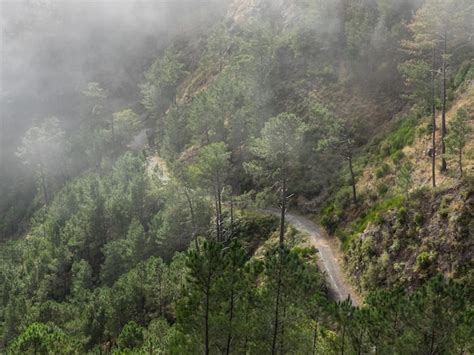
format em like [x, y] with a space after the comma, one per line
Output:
[237, 177]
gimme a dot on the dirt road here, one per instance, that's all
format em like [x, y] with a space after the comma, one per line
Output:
[330, 256]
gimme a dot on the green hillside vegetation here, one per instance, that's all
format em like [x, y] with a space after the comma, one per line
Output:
[144, 228]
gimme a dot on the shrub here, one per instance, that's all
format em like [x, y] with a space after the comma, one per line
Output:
[382, 189]
[461, 74]
[368, 246]
[418, 219]
[343, 198]
[424, 260]
[40, 338]
[397, 156]
[374, 214]
[266, 198]
[378, 219]
[443, 212]
[424, 130]
[402, 214]
[131, 336]
[403, 135]
[382, 171]
[330, 222]
[395, 247]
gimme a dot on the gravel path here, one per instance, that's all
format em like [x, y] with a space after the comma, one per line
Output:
[330, 256]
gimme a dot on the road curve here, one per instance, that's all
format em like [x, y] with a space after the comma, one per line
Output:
[330, 256]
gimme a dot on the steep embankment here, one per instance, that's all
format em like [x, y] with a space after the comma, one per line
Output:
[403, 231]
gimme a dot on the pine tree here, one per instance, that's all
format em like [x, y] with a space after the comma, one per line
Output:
[405, 178]
[41, 149]
[458, 135]
[211, 170]
[277, 151]
[340, 136]
[439, 29]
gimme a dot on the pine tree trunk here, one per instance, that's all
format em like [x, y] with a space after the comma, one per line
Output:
[193, 218]
[283, 211]
[231, 215]
[219, 205]
[354, 192]
[443, 112]
[113, 137]
[277, 310]
[231, 316]
[315, 339]
[281, 242]
[218, 218]
[43, 184]
[282, 336]
[343, 340]
[206, 317]
[433, 113]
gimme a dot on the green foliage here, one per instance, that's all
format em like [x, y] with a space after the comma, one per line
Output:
[101, 259]
[462, 74]
[212, 165]
[400, 137]
[131, 337]
[162, 78]
[359, 27]
[118, 259]
[405, 178]
[423, 260]
[373, 215]
[126, 125]
[382, 171]
[397, 157]
[382, 189]
[417, 74]
[251, 229]
[458, 136]
[278, 148]
[41, 150]
[41, 338]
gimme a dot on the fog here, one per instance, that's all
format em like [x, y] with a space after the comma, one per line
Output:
[51, 49]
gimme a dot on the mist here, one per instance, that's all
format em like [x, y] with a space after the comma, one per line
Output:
[236, 176]
[51, 49]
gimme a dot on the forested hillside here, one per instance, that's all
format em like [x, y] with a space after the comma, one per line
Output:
[151, 153]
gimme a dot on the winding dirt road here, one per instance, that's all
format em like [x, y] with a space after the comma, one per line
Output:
[330, 256]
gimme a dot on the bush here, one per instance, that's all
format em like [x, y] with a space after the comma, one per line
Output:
[424, 260]
[395, 247]
[425, 130]
[368, 246]
[330, 222]
[382, 171]
[266, 198]
[343, 198]
[402, 214]
[403, 135]
[461, 74]
[40, 338]
[397, 156]
[131, 336]
[378, 219]
[382, 189]
[418, 219]
[443, 212]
